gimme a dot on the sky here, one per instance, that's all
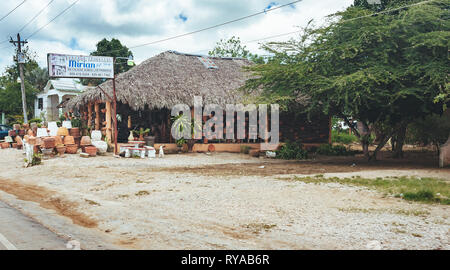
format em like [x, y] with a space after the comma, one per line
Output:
[136, 22]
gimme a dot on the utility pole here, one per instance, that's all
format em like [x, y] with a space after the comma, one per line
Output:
[21, 60]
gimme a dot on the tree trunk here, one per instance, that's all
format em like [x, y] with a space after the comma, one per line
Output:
[400, 136]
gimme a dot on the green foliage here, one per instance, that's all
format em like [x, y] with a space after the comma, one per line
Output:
[414, 189]
[245, 149]
[234, 48]
[381, 70]
[292, 151]
[76, 122]
[113, 48]
[343, 137]
[35, 120]
[11, 99]
[334, 150]
[433, 129]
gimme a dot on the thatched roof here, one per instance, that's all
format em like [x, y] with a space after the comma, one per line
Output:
[172, 78]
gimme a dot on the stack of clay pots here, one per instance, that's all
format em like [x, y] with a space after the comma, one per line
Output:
[71, 147]
[75, 133]
[87, 147]
[48, 146]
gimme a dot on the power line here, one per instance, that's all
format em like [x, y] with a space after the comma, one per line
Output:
[7, 14]
[212, 27]
[62, 12]
[35, 16]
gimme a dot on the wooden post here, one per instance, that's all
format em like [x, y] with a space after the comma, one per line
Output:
[108, 122]
[89, 114]
[97, 116]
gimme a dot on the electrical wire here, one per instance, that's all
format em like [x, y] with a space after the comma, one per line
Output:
[35, 16]
[7, 14]
[62, 12]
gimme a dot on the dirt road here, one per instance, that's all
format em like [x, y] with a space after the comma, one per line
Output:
[227, 201]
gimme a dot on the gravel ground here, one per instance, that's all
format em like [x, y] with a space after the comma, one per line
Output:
[157, 204]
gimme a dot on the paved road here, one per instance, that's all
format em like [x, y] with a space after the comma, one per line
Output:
[18, 231]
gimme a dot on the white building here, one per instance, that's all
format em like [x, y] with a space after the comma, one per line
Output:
[54, 93]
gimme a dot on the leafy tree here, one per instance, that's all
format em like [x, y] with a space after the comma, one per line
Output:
[11, 99]
[384, 71]
[113, 48]
[234, 48]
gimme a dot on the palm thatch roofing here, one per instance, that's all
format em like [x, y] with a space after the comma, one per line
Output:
[172, 78]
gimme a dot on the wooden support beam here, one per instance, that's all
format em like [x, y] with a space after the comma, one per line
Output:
[89, 114]
[108, 122]
[97, 115]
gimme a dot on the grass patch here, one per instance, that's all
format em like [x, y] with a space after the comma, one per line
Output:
[417, 213]
[427, 190]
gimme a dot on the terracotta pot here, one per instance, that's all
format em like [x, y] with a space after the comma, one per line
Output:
[26, 126]
[211, 148]
[19, 146]
[91, 150]
[19, 140]
[16, 126]
[5, 145]
[49, 143]
[30, 132]
[14, 145]
[62, 131]
[58, 140]
[32, 140]
[12, 133]
[71, 149]
[61, 150]
[69, 140]
[75, 132]
[77, 141]
[85, 140]
[36, 149]
[21, 132]
[40, 142]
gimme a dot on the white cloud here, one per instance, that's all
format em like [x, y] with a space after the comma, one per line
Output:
[137, 22]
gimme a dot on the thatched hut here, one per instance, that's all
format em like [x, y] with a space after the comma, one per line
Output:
[147, 92]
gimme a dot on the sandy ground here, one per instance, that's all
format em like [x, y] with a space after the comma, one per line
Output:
[228, 201]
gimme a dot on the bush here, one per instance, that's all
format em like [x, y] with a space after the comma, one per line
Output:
[336, 150]
[245, 149]
[35, 120]
[292, 151]
[344, 138]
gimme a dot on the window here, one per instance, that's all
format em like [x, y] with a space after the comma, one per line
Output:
[40, 103]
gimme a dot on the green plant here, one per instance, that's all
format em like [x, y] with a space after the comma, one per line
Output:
[336, 150]
[141, 131]
[76, 122]
[291, 151]
[245, 149]
[181, 142]
[36, 160]
[343, 137]
[35, 120]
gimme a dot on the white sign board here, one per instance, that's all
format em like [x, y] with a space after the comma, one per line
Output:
[78, 66]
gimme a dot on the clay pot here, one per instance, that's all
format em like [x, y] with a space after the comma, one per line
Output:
[69, 140]
[77, 141]
[61, 150]
[19, 140]
[31, 140]
[39, 142]
[211, 148]
[71, 149]
[91, 151]
[36, 149]
[49, 143]
[16, 126]
[14, 145]
[75, 132]
[19, 146]
[26, 126]
[21, 132]
[30, 132]
[58, 140]
[12, 133]
[62, 131]
[85, 140]
[5, 145]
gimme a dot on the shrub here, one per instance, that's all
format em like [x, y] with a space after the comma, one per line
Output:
[336, 150]
[344, 138]
[292, 151]
[35, 120]
[245, 149]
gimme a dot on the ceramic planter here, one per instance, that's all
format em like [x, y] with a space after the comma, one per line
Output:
[49, 143]
[22, 132]
[91, 151]
[85, 140]
[62, 131]
[75, 132]
[61, 150]
[5, 145]
[69, 140]
[71, 149]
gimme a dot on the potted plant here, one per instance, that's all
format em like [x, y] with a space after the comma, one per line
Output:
[180, 143]
[182, 123]
[141, 133]
[61, 149]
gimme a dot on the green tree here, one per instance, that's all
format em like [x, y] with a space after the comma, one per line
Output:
[384, 71]
[234, 48]
[11, 100]
[113, 48]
